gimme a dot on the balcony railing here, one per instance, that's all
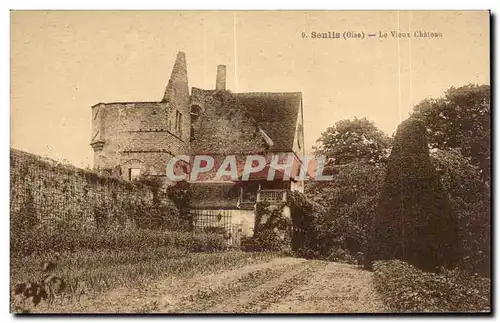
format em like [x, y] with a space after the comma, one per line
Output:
[278, 195]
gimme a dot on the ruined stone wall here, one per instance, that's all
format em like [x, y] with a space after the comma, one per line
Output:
[139, 135]
[144, 135]
[65, 193]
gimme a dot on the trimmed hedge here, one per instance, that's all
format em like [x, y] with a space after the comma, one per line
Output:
[70, 240]
[405, 288]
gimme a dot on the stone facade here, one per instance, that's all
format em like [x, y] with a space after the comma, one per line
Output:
[143, 136]
[131, 138]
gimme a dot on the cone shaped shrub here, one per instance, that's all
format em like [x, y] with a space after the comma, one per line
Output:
[413, 221]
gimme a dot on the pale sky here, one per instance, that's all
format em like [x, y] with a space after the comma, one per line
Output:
[64, 62]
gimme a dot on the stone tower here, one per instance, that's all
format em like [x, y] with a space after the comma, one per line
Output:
[177, 98]
[131, 139]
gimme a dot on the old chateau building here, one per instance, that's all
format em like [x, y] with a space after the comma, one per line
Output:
[132, 139]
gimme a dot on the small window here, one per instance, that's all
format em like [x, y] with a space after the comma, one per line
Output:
[176, 120]
[299, 136]
[133, 174]
[180, 124]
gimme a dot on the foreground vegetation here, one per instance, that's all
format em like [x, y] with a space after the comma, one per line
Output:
[90, 273]
[92, 261]
[405, 288]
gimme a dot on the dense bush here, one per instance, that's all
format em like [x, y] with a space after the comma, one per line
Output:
[40, 240]
[266, 241]
[159, 216]
[405, 288]
[348, 207]
[341, 255]
[357, 154]
[180, 194]
[470, 200]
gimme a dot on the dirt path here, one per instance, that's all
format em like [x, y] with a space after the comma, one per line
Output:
[282, 285]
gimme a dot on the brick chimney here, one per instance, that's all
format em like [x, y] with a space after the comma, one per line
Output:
[220, 83]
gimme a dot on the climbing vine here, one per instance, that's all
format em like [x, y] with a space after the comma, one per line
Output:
[281, 226]
[272, 229]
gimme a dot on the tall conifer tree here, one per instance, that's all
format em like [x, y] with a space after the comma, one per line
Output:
[413, 219]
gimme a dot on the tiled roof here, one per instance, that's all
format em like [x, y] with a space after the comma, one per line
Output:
[275, 113]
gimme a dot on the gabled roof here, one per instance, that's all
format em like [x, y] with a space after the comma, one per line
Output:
[275, 113]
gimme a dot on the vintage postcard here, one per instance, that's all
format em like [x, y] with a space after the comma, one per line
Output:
[183, 162]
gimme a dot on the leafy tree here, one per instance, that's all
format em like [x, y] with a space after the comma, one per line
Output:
[349, 202]
[414, 220]
[470, 200]
[356, 152]
[461, 119]
[353, 140]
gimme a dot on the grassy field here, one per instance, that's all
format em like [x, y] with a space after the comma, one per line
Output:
[90, 273]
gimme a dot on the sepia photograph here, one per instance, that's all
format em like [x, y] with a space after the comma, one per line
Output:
[250, 162]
